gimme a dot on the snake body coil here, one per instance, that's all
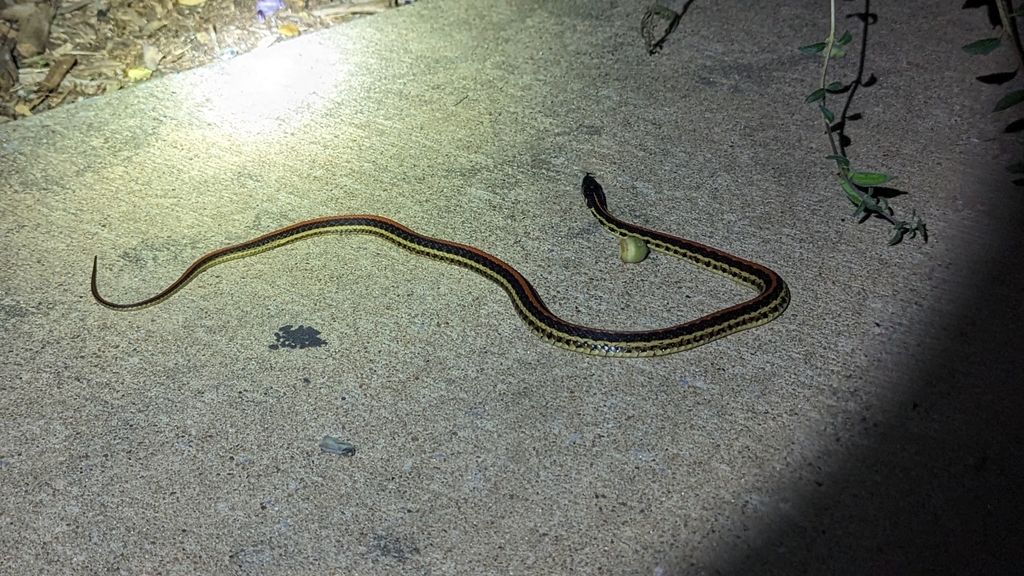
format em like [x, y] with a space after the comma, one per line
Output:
[771, 301]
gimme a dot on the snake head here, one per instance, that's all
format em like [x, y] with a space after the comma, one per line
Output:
[593, 190]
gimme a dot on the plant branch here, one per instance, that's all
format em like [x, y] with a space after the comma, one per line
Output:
[1010, 27]
[880, 211]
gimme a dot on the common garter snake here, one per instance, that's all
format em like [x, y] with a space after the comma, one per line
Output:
[771, 301]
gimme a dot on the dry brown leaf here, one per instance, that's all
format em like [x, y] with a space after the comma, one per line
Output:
[153, 26]
[151, 56]
[33, 26]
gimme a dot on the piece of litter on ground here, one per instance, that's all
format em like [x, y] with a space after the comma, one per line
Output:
[335, 446]
[288, 30]
[266, 8]
[138, 73]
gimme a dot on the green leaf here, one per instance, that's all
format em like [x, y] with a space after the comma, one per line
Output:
[1011, 99]
[837, 52]
[834, 87]
[897, 234]
[982, 47]
[813, 48]
[869, 178]
[816, 95]
[853, 196]
[903, 229]
[845, 39]
[842, 161]
[829, 116]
